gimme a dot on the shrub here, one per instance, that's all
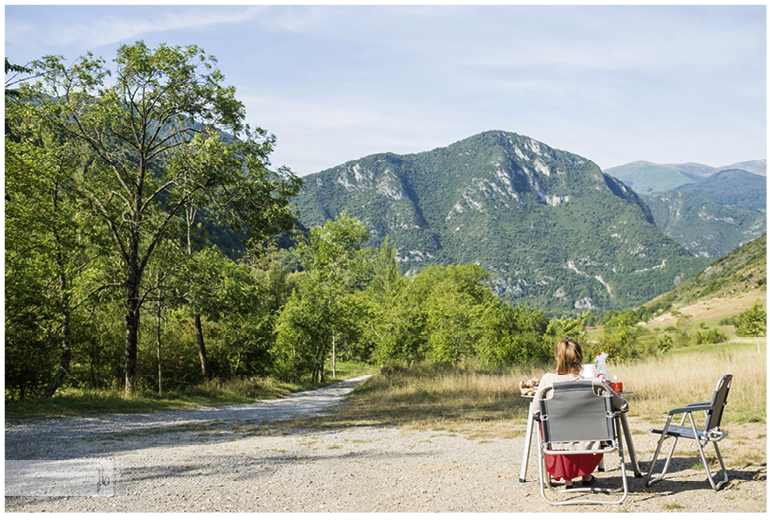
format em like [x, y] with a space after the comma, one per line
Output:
[711, 337]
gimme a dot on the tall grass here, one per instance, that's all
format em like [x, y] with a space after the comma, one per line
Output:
[489, 402]
[667, 382]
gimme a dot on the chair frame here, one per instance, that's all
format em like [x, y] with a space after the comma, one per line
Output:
[711, 432]
[611, 435]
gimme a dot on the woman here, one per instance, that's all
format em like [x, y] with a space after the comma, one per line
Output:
[569, 363]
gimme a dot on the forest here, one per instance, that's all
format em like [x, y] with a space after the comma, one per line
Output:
[116, 179]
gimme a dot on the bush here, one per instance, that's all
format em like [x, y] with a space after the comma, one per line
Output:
[711, 337]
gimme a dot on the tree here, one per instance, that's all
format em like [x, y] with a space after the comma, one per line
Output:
[163, 135]
[753, 322]
[385, 305]
[323, 310]
[48, 243]
[338, 268]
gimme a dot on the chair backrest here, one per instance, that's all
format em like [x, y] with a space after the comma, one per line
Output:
[574, 412]
[718, 402]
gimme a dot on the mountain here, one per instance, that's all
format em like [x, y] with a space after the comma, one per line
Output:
[703, 226]
[645, 177]
[550, 227]
[755, 167]
[732, 187]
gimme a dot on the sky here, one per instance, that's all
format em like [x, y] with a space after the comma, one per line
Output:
[612, 83]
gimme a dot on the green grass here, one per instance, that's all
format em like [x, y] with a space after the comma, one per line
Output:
[68, 402]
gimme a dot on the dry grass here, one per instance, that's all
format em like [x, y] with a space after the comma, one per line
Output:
[489, 404]
[712, 308]
[664, 383]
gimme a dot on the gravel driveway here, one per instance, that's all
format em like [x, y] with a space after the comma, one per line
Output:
[206, 461]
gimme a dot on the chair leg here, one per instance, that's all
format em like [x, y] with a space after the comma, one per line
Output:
[726, 479]
[647, 480]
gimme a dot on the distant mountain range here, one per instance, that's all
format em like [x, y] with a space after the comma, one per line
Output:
[645, 177]
[551, 228]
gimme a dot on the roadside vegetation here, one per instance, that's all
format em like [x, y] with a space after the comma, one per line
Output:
[484, 403]
[70, 402]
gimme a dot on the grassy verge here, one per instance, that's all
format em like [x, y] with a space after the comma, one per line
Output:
[83, 402]
[489, 404]
[690, 375]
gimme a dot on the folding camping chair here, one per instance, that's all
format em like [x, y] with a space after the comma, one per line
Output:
[710, 432]
[574, 412]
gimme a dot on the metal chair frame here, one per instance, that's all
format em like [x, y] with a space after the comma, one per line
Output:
[711, 432]
[605, 423]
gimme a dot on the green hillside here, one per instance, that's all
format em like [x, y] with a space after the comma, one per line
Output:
[550, 227]
[742, 270]
[732, 187]
[705, 227]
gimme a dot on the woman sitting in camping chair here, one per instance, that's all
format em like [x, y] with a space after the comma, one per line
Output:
[569, 362]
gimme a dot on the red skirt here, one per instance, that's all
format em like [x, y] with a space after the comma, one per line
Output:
[570, 467]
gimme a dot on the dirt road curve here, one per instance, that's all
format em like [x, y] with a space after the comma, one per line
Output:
[207, 461]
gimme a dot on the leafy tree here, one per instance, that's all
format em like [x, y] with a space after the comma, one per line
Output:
[511, 334]
[451, 318]
[49, 246]
[164, 134]
[386, 306]
[318, 316]
[753, 322]
[15, 78]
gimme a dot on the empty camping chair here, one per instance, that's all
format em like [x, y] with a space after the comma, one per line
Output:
[575, 412]
[710, 432]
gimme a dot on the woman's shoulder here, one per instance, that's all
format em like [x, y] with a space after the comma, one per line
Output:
[552, 377]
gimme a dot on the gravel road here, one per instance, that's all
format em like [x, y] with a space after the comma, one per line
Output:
[207, 461]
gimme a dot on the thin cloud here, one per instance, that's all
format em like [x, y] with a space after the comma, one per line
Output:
[131, 23]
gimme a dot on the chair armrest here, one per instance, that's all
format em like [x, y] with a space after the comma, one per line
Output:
[694, 407]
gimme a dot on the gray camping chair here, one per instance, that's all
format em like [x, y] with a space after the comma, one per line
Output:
[710, 432]
[575, 412]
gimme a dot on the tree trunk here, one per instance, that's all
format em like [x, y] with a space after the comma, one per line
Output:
[66, 355]
[132, 339]
[334, 355]
[202, 348]
[132, 313]
[160, 371]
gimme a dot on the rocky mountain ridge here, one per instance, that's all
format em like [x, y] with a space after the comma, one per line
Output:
[549, 226]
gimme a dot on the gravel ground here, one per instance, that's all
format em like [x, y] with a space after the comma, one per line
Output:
[206, 461]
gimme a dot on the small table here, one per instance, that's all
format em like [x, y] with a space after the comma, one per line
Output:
[624, 426]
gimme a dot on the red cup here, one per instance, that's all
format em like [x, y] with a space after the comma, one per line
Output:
[617, 387]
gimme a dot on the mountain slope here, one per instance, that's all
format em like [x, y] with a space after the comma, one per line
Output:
[551, 228]
[703, 226]
[742, 270]
[732, 187]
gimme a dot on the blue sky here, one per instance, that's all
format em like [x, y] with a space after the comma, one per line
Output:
[614, 84]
